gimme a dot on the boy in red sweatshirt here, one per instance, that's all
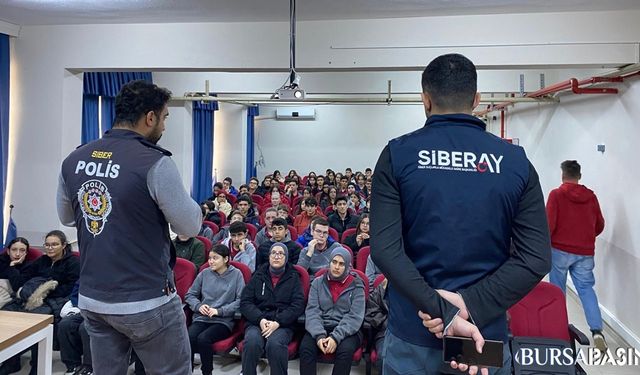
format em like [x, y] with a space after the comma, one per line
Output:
[575, 220]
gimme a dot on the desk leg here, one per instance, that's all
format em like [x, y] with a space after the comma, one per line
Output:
[45, 352]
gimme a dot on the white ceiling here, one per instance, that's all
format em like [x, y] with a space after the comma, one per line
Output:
[52, 12]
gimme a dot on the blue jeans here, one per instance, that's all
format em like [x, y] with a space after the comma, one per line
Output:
[401, 357]
[159, 337]
[581, 269]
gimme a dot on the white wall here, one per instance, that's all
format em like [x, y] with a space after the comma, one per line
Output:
[571, 130]
[46, 95]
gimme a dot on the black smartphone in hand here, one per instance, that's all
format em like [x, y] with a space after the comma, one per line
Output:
[463, 350]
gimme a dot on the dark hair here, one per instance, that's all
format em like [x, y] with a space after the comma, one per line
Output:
[234, 212]
[451, 81]
[341, 198]
[62, 237]
[243, 186]
[244, 198]
[218, 185]
[344, 177]
[288, 180]
[238, 227]
[280, 222]
[211, 205]
[203, 210]
[311, 201]
[357, 195]
[362, 217]
[351, 184]
[318, 220]
[22, 240]
[229, 180]
[283, 207]
[136, 99]
[348, 169]
[571, 169]
[221, 250]
[367, 169]
[273, 175]
[255, 179]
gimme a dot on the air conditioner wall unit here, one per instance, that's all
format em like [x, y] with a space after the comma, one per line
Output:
[296, 113]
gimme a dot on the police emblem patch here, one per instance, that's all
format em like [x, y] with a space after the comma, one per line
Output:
[95, 203]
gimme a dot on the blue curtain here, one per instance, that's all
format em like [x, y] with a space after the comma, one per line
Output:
[107, 85]
[252, 112]
[4, 122]
[203, 120]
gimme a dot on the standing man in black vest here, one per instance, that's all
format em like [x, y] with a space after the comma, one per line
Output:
[121, 192]
[448, 201]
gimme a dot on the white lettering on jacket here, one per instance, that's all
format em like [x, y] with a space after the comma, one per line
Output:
[108, 170]
[459, 161]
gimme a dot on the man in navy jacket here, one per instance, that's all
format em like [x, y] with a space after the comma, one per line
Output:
[448, 201]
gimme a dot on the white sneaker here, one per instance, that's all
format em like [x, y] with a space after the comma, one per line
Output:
[196, 359]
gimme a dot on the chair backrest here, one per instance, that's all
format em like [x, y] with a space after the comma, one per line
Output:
[293, 232]
[184, 272]
[223, 218]
[328, 211]
[304, 280]
[347, 233]
[214, 228]
[207, 245]
[361, 259]
[334, 234]
[231, 198]
[257, 199]
[246, 271]
[361, 275]
[296, 201]
[353, 259]
[541, 313]
[379, 279]
[253, 231]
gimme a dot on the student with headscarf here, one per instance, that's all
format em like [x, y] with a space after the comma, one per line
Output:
[271, 302]
[333, 317]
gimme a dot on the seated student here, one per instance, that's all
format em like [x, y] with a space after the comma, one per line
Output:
[263, 234]
[360, 238]
[327, 197]
[205, 231]
[341, 219]
[271, 302]
[334, 315]
[214, 298]
[317, 254]
[75, 346]
[253, 186]
[245, 206]
[283, 212]
[305, 237]
[279, 233]
[356, 203]
[265, 186]
[227, 186]
[210, 212]
[299, 208]
[217, 188]
[319, 185]
[376, 316]
[242, 250]
[302, 221]
[46, 285]
[12, 264]
[222, 204]
[191, 249]
[223, 233]
[291, 189]
[243, 189]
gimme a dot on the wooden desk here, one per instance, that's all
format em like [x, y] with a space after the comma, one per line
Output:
[18, 331]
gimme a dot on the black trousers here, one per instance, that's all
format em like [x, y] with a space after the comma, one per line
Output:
[201, 336]
[343, 355]
[75, 347]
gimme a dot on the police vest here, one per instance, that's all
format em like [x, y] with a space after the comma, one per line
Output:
[122, 233]
[459, 189]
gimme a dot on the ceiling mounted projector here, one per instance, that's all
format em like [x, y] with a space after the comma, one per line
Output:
[290, 93]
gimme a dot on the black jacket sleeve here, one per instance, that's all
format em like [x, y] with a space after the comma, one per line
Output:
[248, 306]
[527, 265]
[289, 315]
[387, 247]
